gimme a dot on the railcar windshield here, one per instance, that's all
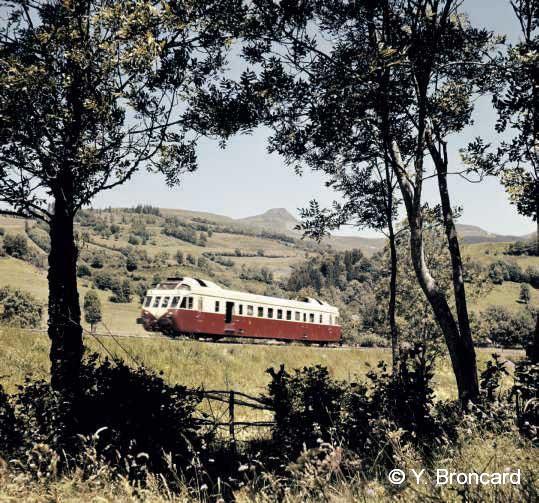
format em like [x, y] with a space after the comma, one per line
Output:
[147, 301]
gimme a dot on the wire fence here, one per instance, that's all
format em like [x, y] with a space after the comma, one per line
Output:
[214, 417]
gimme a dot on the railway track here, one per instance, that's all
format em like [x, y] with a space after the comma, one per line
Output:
[161, 337]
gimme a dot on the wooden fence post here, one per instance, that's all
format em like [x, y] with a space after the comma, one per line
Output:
[231, 417]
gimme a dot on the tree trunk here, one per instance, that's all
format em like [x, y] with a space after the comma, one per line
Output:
[65, 331]
[391, 311]
[464, 367]
[457, 269]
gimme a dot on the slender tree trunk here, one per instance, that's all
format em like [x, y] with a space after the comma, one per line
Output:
[392, 306]
[463, 367]
[468, 355]
[537, 218]
[391, 312]
[65, 331]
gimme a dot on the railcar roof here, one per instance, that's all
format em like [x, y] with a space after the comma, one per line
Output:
[205, 287]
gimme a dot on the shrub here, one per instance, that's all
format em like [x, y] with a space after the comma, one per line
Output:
[132, 414]
[526, 394]
[97, 261]
[131, 263]
[2, 231]
[133, 240]
[103, 281]
[9, 432]
[307, 407]
[507, 329]
[121, 292]
[83, 271]
[20, 308]
[372, 341]
[311, 408]
[533, 274]
[16, 245]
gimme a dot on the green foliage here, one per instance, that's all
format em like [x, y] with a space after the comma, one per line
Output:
[306, 407]
[177, 228]
[503, 328]
[132, 415]
[331, 270]
[133, 240]
[83, 271]
[16, 245]
[10, 435]
[524, 296]
[97, 261]
[263, 274]
[179, 257]
[522, 248]
[500, 271]
[131, 263]
[121, 291]
[311, 408]
[526, 393]
[138, 230]
[92, 308]
[371, 341]
[145, 209]
[20, 308]
[103, 280]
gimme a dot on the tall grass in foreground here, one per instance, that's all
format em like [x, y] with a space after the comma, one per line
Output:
[475, 451]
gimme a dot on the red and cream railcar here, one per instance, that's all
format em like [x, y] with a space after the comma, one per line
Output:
[200, 308]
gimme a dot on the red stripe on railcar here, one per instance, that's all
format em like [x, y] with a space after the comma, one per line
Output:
[213, 324]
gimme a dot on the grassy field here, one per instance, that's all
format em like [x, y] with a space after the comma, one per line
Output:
[487, 253]
[214, 366]
[223, 366]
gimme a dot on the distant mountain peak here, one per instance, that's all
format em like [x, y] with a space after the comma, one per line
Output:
[282, 213]
[275, 219]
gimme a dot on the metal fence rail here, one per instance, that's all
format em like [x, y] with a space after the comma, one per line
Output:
[230, 397]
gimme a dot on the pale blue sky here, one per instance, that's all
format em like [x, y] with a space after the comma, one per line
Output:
[244, 179]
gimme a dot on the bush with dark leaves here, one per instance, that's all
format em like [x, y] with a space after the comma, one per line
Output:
[131, 414]
[307, 407]
[526, 394]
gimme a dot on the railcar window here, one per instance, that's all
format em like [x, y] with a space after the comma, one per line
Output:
[336, 320]
[147, 301]
[216, 306]
[321, 318]
[289, 315]
[165, 302]
[311, 318]
[250, 310]
[240, 309]
[175, 301]
[297, 316]
[330, 319]
[200, 304]
[260, 312]
[270, 312]
[304, 317]
[156, 302]
[189, 302]
[279, 314]
[184, 303]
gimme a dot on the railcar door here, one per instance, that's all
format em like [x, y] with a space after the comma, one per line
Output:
[229, 312]
[230, 327]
